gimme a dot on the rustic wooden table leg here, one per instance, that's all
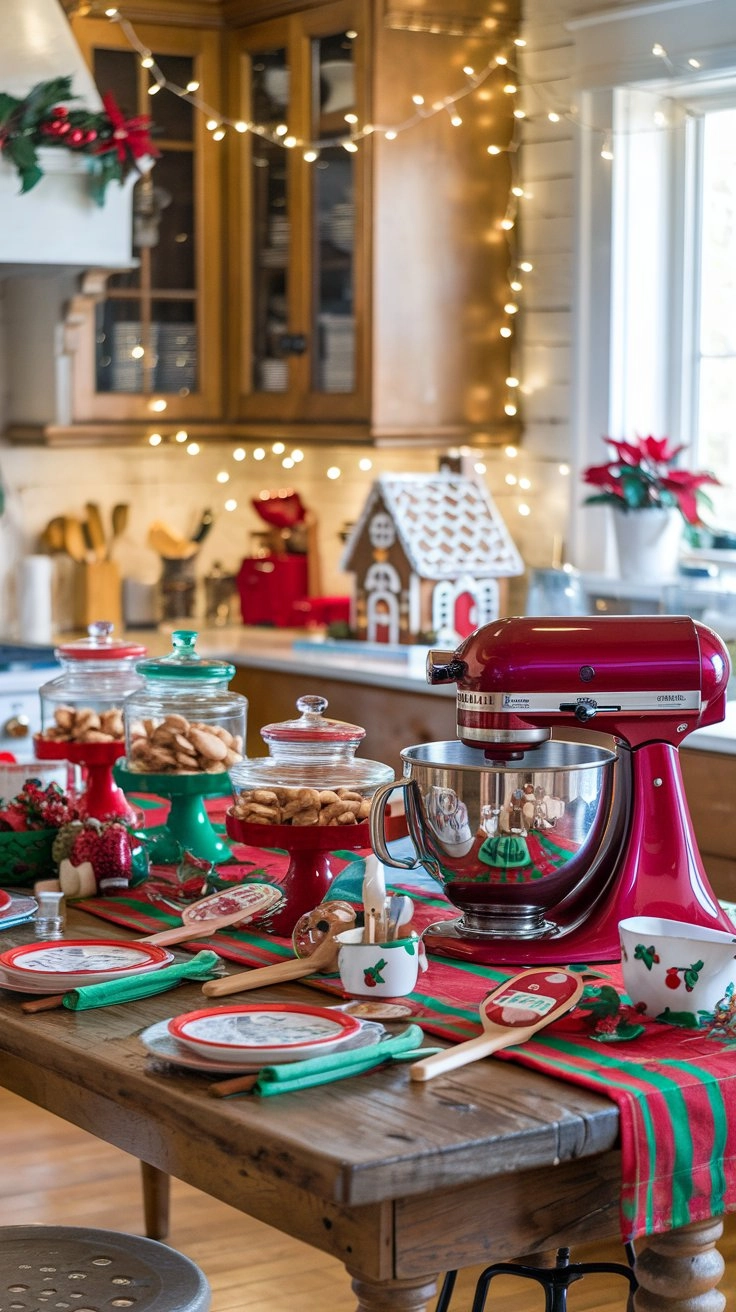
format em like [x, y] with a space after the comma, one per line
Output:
[156, 1192]
[680, 1271]
[393, 1295]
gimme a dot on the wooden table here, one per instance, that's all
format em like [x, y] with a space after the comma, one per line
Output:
[399, 1180]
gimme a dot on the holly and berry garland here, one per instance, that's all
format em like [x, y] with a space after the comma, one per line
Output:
[111, 143]
[36, 807]
[96, 856]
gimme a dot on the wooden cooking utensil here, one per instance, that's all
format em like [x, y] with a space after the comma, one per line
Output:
[324, 957]
[96, 530]
[510, 1015]
[74, 543]
[231, 907]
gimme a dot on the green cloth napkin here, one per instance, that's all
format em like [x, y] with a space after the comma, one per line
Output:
[206, 965]
[291, 1076]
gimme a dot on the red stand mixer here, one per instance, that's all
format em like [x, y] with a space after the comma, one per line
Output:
[544, 842]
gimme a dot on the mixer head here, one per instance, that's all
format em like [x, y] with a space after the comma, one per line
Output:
[640, 678]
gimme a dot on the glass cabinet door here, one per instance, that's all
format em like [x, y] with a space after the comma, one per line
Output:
[333, 215]
[156, 328]
[271, 220]
[295, 314]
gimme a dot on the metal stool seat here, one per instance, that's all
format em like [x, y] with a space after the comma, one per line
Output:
[57, 1268]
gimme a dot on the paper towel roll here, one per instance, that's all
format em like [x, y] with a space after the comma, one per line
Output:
[35, 599]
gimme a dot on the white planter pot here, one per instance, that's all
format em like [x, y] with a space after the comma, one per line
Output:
[647, 542]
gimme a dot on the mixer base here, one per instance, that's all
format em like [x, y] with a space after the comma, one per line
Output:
[450, 938]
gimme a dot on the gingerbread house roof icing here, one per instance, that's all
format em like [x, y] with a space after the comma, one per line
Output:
[446, 524]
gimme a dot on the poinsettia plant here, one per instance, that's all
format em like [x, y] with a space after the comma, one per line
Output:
[641, 475]
[112, 144]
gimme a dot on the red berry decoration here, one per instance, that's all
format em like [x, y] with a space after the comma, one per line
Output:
[369, 980]
[672, 978]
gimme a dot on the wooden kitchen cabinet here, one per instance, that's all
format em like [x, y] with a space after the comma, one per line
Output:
[148, 341]
[368, 283]
[392, 718]
[356, 296]
[710, 788]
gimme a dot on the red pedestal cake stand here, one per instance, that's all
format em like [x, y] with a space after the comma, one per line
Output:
[101, 799]
[309, 875]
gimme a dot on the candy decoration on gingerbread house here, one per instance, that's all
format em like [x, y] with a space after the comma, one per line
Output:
[427, 552]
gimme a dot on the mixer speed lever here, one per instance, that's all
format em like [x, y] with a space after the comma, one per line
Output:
[585, 709]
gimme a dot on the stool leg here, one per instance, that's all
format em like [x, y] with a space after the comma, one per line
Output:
[448, 1284]
[155, 1201]
[555, 1280]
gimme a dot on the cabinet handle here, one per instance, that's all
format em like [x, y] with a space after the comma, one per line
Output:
[292, 343]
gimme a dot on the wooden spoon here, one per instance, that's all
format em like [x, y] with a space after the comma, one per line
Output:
[231, 907]
[324, 957]
[510, 1015]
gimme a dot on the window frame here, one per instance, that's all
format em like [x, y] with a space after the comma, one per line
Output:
[615, 74]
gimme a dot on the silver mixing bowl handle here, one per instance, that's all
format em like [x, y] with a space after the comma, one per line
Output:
[376, 821]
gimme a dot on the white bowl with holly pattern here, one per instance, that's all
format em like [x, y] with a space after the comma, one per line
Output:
[680, 973]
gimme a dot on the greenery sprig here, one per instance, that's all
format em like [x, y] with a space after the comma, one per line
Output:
[112, 144]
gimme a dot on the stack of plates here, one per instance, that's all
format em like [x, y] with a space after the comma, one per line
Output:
[274, 375]
[56, 965]
[176, 366]
[337, 362]
[278, 230]
[341, 226]
[244, 1038]
[15, 908]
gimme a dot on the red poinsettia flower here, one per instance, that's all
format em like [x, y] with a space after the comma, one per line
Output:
[639, 476]
[130, 138]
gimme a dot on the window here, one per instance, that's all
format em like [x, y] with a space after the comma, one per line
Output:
[656, 239]
[714, 345]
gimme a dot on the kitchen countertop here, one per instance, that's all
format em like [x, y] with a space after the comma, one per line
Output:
[290, 650]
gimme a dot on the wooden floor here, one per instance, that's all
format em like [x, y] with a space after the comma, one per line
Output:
[56, 1174]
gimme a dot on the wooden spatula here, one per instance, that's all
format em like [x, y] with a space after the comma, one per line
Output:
[229, 907]
[324, 957]
[510, 1015]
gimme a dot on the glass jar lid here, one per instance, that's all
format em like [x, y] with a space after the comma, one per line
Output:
[312, 751]
[100, 645]
[311, 728]
[183, 662]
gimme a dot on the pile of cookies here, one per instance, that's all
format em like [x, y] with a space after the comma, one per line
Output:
[175, 745]
[301, 806]
[80, 724]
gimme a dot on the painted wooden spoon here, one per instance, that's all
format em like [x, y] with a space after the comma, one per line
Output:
[510, 1015]
[323, 957]
[232, 906]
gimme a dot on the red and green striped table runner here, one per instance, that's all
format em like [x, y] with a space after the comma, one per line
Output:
[675, 1088]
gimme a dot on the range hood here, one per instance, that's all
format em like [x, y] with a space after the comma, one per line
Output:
[58, 224]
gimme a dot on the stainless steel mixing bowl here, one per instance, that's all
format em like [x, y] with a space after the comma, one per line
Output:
[508, 840]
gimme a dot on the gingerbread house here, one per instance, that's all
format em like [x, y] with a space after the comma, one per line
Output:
[427, 553]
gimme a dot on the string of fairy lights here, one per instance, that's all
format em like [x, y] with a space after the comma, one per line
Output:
[501, 64]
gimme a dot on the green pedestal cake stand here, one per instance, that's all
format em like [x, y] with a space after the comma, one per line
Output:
[188, 827]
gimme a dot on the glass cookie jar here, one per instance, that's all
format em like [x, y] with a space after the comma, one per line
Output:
[184, 719]
[84, 704]
[311, 776]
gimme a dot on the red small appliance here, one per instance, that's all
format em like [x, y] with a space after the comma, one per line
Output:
[561, 809]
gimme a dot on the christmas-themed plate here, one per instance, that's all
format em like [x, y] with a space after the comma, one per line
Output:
[262, 1032]
[50, 966]
[161, 1043]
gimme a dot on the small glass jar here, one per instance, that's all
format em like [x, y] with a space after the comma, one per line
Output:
[311, 775]
[84, 704]
[184, 719]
